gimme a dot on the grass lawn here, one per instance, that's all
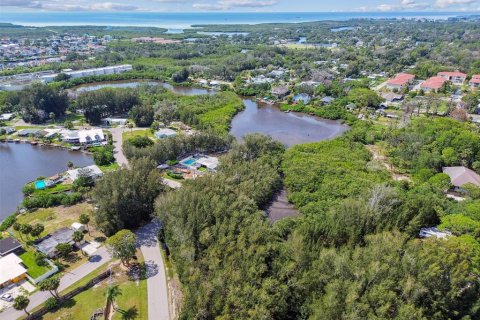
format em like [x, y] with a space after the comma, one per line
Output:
[134, 297]
[109, 167]
[34, 270]
[55, 189]
[137, 133]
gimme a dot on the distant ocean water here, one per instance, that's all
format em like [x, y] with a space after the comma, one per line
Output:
[176, 20]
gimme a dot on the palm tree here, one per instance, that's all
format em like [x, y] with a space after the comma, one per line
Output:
[85, 219]
[21, 303]
[77, 237]
[111, 293]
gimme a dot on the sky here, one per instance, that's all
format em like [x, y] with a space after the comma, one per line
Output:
[242, 5]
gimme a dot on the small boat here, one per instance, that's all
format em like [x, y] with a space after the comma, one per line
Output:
[75, 148]
[33, 143]
[17, 140]
[287, 111]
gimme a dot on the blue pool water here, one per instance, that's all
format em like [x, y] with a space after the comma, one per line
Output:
[189, 162]
[40, 184]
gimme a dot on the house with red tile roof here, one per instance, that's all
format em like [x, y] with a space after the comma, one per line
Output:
[400, 81]
[433, 83]
[455, 77]
[475, 81]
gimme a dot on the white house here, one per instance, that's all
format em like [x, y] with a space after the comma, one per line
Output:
[7, 116]
[92, 171]
[165, 133]
[86, 137]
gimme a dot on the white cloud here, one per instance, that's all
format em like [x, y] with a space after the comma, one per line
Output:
[229, 4]
[404, 5]
[451, 3]
[59, 5]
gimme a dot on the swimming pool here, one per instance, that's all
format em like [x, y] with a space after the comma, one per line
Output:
[40, 184]
[189, 162]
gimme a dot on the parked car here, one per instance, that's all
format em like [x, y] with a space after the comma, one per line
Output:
[7, 297]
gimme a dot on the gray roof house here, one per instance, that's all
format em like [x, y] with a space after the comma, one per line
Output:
[460, 176]
[280, 91]
[47, 244]
[9, 245]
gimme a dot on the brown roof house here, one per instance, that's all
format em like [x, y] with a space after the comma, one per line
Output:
[460, 176]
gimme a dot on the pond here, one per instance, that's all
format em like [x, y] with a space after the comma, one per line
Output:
[289, 128]
[186, 91]
[21, 163]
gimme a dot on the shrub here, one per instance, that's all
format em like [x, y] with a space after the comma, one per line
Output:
[51, 304]
[8, 222]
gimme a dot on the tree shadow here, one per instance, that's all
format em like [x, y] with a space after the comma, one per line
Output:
[142, 271]
[129, 314]
[100, 239]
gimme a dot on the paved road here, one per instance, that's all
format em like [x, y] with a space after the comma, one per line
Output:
[158, 306]
[98, 259]
[117, 142]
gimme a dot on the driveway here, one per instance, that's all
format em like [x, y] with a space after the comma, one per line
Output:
[117, 142]
[158, 306]
[172, 184]
[98, 259]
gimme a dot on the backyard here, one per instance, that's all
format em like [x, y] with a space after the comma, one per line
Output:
[34, 270]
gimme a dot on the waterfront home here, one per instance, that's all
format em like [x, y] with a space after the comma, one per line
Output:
[434, 232]
[460, 176]
[85, 137]
[7, 116]
[280, 91]
[455, 77]
[11, 270]
[400, 81]
[303, 97]
[47, 245]
[49, 133]
[28, 132]
[475, 81]
[9, 245]
[433, 83]
[165, 133]
[211, 163]
[92, 171]
[8, 130]
[327, 100]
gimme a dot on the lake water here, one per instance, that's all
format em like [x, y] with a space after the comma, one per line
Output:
[21, 163]
[289, 128]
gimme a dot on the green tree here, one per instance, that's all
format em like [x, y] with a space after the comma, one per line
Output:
[63, 250]
[18, 227]
[21, 303]
[26, 229]
[37, 230]
[51, 285]
[85, 219]
[142, 115]
[122, 245]
[77, 237]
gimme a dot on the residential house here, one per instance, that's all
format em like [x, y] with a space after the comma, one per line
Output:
[92, 171]
[303, 97]
[165, 133]
[392, 97]
[327, 100]
[7, 116]
[27, 132]
[400, 81]
[85, 137]
[8, 130]
[280, 91]
[460, 176]
[107, 122]
[475, 81]
[11, 270]
[434, 232]
[433, 83]
[47, 245]
[9, 245]
[455, 77]
[211, 163]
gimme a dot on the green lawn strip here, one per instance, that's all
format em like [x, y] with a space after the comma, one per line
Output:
[109, 167]
[34, 270]
[137, 133]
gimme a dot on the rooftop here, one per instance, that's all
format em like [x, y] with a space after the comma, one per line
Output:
[461, 176]
[47, 244]
[8, 245]
[433, 83]
[452, 74]
[10, 268]
[92, 171]
[401, 79]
